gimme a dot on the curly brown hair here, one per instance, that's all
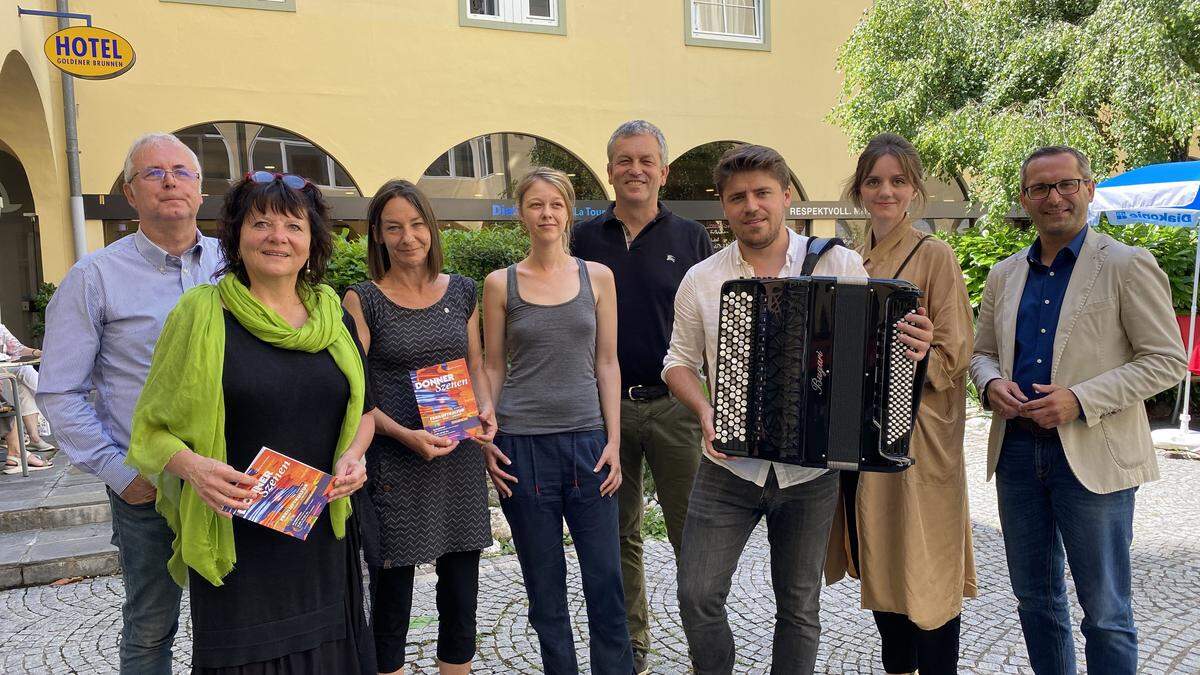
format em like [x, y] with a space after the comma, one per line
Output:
[247, 197]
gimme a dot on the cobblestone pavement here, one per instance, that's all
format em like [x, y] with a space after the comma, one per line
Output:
[74, 628]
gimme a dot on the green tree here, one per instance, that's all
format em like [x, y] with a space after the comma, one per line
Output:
[545, 153]
[977, 84]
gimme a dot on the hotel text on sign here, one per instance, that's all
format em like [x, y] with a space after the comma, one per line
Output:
[90, 53]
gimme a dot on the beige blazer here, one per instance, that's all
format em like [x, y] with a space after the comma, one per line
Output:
[1117, 344]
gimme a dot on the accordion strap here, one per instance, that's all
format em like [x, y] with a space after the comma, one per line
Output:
[910, 256]
[817, 246]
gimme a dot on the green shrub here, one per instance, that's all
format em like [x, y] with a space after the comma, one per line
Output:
[40, 301]
[470, 253]
[980, 249]
[348, 264]
[476, 253]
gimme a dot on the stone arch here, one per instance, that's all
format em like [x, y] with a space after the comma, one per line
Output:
[229, 148]
[488, 166]
[33, 217]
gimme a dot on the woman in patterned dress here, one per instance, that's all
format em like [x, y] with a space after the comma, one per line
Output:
[430, 493]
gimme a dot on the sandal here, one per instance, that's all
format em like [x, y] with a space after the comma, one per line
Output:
[13, 464]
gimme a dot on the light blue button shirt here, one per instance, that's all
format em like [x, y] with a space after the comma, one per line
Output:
[101, 327]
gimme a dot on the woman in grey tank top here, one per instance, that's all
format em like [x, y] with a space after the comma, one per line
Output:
[550, 328]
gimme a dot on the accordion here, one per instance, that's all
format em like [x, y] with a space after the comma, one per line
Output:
[810, 371]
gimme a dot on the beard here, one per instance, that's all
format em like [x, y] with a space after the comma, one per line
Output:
[759, 238]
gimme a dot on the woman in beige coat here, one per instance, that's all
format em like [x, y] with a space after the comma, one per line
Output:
[907, 535]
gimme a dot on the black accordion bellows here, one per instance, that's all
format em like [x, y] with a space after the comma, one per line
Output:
[810, 372]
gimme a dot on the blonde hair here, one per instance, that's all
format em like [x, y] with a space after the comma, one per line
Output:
[559, 181]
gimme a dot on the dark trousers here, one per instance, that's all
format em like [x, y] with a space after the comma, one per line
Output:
[1049, 518]
[722, 512]
[556, 482]
[907, 648]
[150, 613]
[665, 435]
[391, 609]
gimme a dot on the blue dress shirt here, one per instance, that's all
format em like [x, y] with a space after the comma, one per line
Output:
[1037, 316]
[101, 327]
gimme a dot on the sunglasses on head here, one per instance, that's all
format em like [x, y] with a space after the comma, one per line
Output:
[289, 179]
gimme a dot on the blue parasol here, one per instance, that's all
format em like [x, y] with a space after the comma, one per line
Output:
[1160, 194]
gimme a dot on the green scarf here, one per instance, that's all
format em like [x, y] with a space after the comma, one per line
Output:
[183, 406]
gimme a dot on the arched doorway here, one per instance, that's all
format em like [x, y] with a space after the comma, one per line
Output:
[690, 179]
[490, 166]
[229, 150]
[20, 253]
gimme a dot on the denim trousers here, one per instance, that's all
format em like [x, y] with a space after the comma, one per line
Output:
[663, 434]
[1049, 518]
[555, 482]
[150, 614]
[722, 513]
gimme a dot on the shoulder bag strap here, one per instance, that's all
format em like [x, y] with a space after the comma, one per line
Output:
[910, 256]
[817, 247]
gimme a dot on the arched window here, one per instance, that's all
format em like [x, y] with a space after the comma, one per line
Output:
[229, 150]
[489, 167]
[691, 179]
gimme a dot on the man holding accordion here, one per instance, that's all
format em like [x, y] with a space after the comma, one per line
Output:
[732, 494]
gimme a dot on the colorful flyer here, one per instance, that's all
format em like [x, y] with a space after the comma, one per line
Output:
[293, 494]
[446, 400]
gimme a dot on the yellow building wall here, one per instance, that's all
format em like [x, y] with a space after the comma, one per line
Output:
[386, 86]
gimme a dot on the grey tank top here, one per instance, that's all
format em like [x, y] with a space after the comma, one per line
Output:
[551, 383]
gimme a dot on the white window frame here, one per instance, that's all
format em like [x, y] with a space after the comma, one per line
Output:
[481, 149]
[515, 15]
[725, 6]
[517, 11]
[228, 153]
[283, 143]
[693, 35]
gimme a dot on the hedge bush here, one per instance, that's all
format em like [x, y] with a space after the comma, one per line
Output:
[979, 250]
[470, 253]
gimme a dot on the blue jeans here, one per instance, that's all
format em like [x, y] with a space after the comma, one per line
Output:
[555, 480]
[1048, 517]
[722, 513]
[150, 613]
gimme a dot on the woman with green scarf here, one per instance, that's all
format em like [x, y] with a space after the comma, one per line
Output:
[266, 357]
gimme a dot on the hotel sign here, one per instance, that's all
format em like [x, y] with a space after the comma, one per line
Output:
[90, 53]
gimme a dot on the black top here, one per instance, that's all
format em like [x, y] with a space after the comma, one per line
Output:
[647, 274]
[284, 595]
[423, 509]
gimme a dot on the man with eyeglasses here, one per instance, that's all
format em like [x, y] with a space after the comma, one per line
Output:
[1074, 333]
[101, 327]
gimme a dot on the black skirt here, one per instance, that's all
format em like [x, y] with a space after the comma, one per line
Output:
[288, 606]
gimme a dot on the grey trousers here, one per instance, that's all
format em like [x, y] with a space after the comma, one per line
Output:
[722, 512]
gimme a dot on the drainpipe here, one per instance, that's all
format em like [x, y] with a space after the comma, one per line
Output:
[78, 229]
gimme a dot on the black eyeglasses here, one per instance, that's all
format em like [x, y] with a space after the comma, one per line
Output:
[1064, 187]
[156, 174]
[289, 179]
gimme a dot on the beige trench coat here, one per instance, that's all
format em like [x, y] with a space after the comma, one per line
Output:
[914, 528]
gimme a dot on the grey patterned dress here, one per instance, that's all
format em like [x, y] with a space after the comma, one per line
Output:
[423, 509]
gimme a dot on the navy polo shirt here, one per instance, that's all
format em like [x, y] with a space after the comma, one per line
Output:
[647, 275]
[1037, 315]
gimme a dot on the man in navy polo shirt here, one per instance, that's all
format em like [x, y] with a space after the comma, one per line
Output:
[648, 249]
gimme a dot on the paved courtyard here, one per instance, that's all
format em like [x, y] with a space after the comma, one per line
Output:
[74, 628]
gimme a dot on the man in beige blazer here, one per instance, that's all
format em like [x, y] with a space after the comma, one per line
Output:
[1073, 334]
